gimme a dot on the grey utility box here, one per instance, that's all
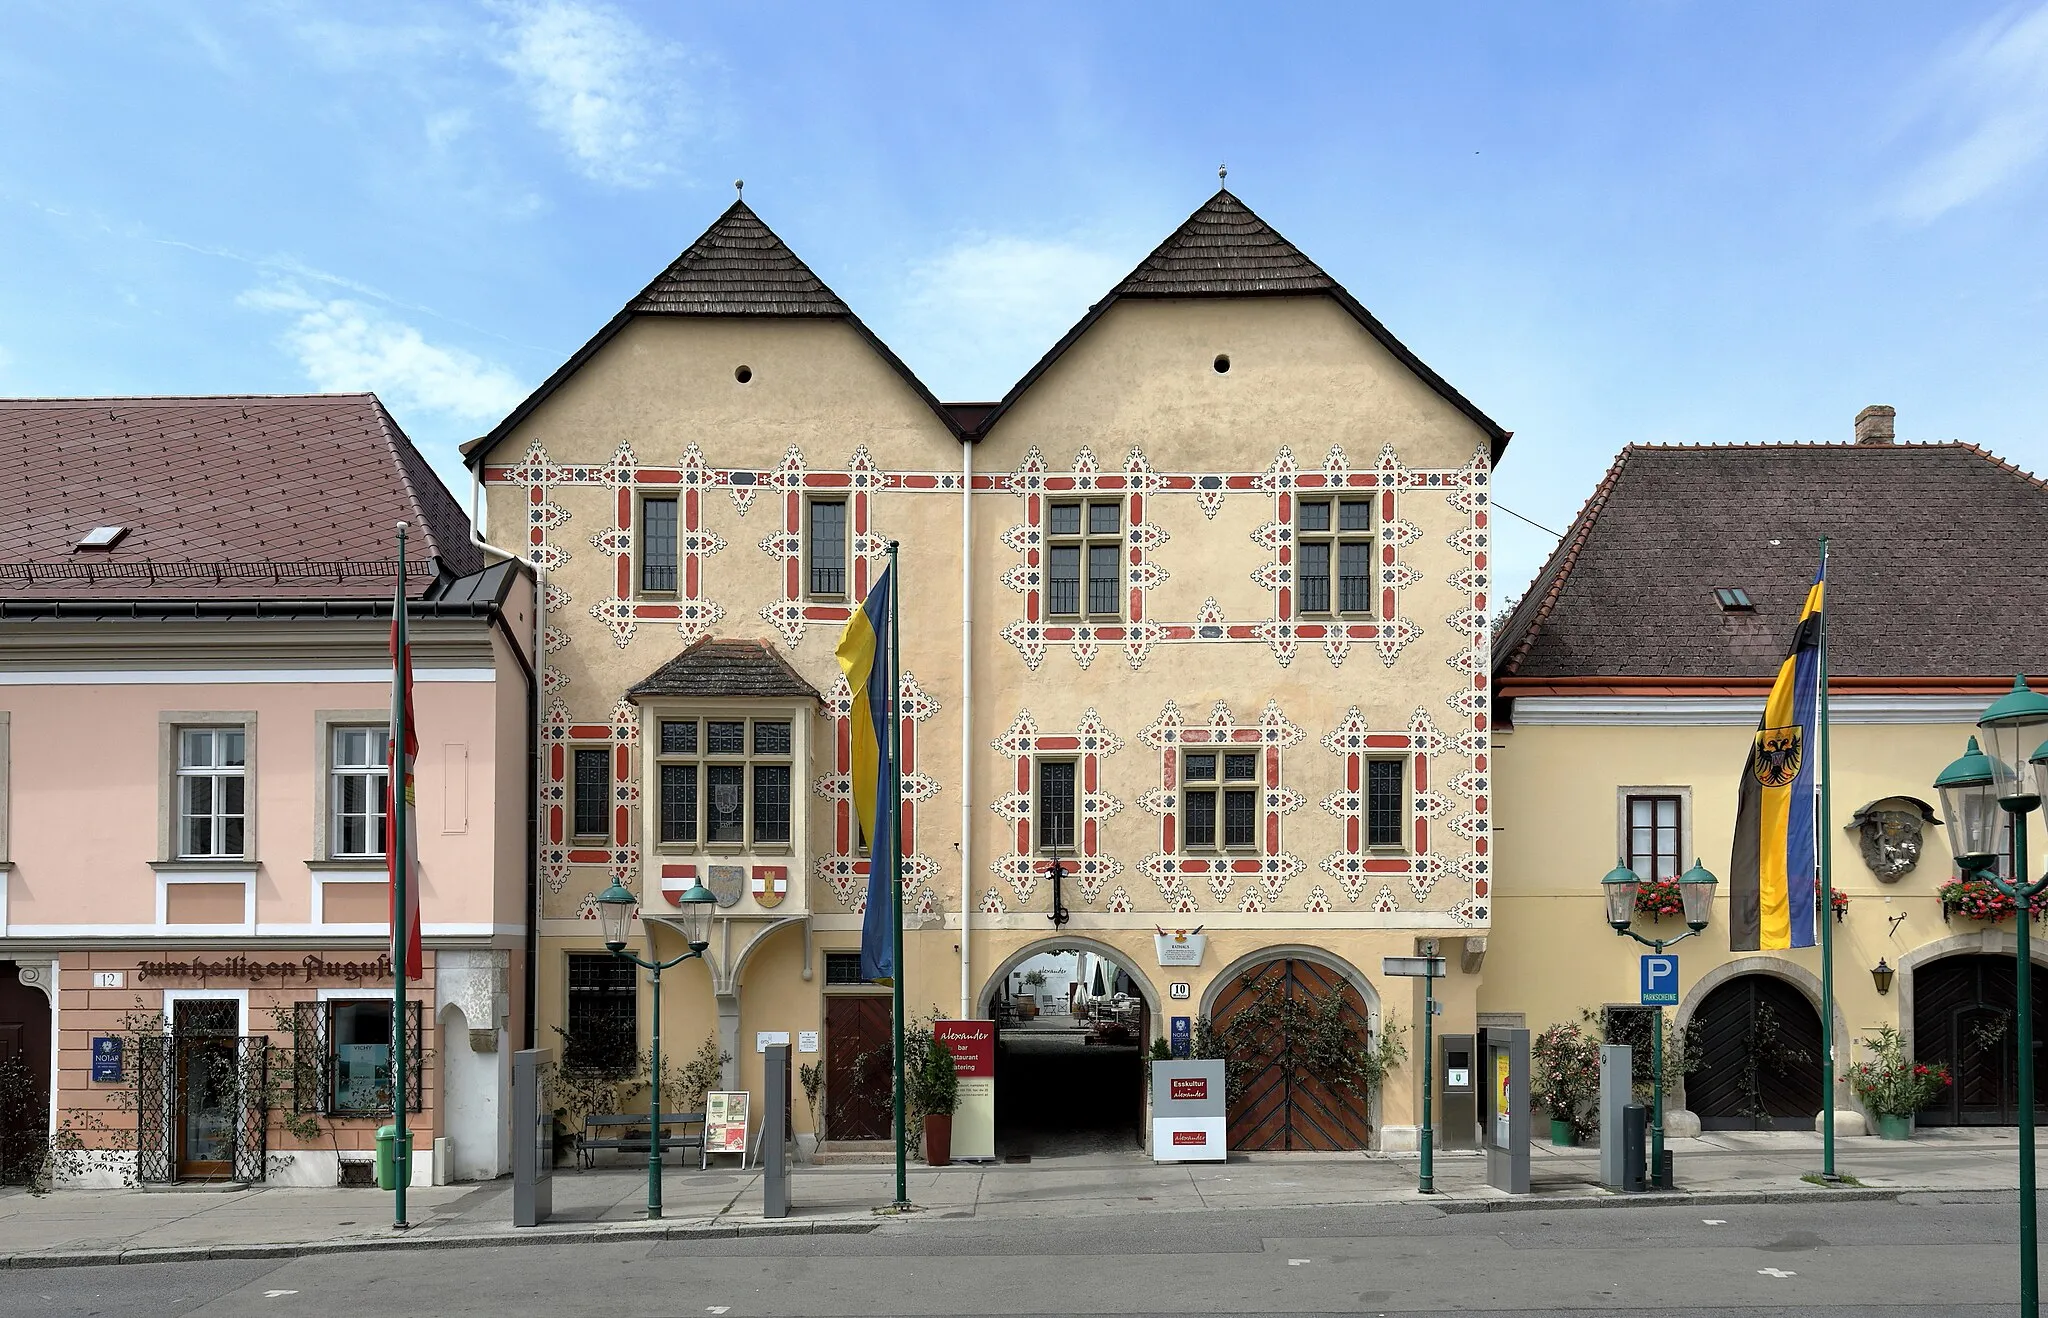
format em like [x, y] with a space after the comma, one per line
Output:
[1457, 1125]
[775, 1139]
[1507, 1086]
[1616, 1067]
[533, 1140]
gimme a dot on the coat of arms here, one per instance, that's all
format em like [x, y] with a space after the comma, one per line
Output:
[726, 882]
[1778, 755]
[771, 885]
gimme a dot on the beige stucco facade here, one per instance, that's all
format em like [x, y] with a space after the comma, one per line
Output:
[1204, 420]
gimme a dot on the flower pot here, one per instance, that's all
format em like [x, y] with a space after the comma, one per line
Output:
[1890, 1127]
[938, 1139]
[1563, 1134]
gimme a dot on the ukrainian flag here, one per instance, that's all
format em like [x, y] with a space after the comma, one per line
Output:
[1773, 878]
[864, 654]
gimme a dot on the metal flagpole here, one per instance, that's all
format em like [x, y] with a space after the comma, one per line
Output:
[401, 927]
[1824, 900]
[895, 853]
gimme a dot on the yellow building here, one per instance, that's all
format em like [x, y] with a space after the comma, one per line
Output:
[1627, 686]
[1198, 609]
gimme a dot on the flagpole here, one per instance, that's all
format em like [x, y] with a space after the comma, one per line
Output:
[401, 931]
[895, 852]
[1825, 900]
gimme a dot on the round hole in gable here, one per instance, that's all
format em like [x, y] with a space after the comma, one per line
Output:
[1222, 362]
[743, 374]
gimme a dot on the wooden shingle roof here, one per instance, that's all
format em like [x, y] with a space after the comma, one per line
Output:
[738, 268]
[1629, 592]
[714, 669]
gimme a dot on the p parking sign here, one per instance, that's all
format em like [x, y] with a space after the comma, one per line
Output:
[1660, 980]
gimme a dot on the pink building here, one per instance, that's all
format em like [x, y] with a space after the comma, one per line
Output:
[195, 695]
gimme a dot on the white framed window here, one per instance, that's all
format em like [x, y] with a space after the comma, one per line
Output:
[1219, 800]
[1084, 559]
[1334, 556]
[359, 768]
[211, 793]
[1653, 829]
[724, 781]
[1056, 808]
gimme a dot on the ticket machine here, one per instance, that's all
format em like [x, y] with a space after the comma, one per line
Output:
[1457, 1078]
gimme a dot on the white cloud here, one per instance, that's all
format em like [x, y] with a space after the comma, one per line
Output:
[1989, 98]
[981, 312]
[611, 91]
[346, 346]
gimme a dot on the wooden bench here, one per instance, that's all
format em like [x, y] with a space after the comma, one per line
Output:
[631, 1136]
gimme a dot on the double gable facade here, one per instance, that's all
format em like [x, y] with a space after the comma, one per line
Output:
[1193, 638]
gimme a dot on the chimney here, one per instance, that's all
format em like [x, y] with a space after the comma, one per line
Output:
[1874, 424]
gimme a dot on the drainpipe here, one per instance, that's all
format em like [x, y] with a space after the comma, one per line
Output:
[533, 673]
[966, 725]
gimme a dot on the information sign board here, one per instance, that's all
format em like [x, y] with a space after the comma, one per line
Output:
[973, 1045]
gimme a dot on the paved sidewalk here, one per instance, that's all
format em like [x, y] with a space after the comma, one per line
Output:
[98, 1226]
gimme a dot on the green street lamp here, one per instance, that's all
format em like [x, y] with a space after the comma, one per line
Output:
[2006, 778]
[1696, 894]
[615, 906]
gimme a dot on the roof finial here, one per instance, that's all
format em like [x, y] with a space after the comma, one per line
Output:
[1222, 173]
[739, 185]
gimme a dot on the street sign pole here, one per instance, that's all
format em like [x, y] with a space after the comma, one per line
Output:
[1659, 990]
[1429, 969]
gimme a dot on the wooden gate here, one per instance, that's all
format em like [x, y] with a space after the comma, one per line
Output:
[1759, 1042]
[1963, 1018]
[1281, 1105]
[858, 1055]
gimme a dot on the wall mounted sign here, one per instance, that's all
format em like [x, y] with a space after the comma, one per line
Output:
[973, 1045]
[1181, 1029]
[1178, 990]
[1179, 947]
[240, 967]
[807, 1041]
[106, 1059]
[110, 979]
[764, 1038]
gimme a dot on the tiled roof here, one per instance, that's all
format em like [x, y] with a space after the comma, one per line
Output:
[738, 268]
[721, 669]
[1932, 570]
[224, 497]
[1222, 249]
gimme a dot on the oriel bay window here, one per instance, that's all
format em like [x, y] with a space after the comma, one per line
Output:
[1084, 547]
[1334, 533]
[1219, 800]
[658, 546]
[725, 782]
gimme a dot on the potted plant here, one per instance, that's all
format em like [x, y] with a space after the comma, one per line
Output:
[1564, 1069]
[938, 1093]
[1894, 1087]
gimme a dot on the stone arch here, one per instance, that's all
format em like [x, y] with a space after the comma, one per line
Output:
[1792, 973]
[1983, 942]
[1121, 956]
[1300, 952]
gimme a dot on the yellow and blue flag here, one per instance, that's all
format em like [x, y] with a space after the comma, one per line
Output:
[864, 653]
[1774, 879]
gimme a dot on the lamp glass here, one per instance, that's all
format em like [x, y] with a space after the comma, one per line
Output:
[615, 912]
[1881, 975]
[1969, 806]
[1696, 891]
[1620, 888]
[697, 904]
[2011, 730]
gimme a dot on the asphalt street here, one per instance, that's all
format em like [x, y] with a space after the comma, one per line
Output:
[1946, 1254]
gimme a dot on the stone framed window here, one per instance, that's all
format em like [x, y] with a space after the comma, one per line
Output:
[1084, 541]
[658, 543]
[1055, 807]
[1334, 556]
[1653, 829]
[591, 791]
[1386, 802]
[211, 793]
[825, 549]
[358, 775]
[1220, 808]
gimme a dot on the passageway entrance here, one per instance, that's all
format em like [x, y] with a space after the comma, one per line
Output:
[1074, 1020]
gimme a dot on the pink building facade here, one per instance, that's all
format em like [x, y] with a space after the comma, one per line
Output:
[194, 729]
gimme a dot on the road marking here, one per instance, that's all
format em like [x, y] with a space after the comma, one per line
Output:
[1773, 1272]
[273, 1295]
[1715, 1221]
[716, 1308]
[1295, 1263]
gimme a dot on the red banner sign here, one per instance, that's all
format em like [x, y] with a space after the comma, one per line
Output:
[1184, 1138]
[973, 1045]
[1189, 1088]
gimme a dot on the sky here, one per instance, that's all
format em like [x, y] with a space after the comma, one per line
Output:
[1649, 221]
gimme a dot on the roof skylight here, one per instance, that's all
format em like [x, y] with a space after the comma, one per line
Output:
[1733, 599]
[102, 537]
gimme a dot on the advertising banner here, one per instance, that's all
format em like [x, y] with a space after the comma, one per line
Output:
[725, 1122]
[973, 1045]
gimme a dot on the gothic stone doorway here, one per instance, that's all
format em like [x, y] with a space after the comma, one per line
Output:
[1963, 1018]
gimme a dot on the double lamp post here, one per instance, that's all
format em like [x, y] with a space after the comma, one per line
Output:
[1983, 794]
[615, 906]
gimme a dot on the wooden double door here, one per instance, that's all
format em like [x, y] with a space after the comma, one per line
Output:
[859, 1052]
[1282, 1104]
[1963, 1018]
[1758, 1042]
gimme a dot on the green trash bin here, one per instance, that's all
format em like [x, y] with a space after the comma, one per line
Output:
[388, 1157]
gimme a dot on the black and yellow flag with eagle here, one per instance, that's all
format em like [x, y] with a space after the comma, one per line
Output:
[1774, 875]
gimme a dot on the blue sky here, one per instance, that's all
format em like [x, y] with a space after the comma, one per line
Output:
[1605, 223]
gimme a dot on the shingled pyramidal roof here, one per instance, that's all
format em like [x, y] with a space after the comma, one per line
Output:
[738, 268]
[1223, 249]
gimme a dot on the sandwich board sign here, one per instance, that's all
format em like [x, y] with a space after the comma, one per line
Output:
[725, 1123]
[1188, 1116]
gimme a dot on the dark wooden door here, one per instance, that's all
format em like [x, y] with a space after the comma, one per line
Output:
[24, 1076]
[858, 1056]
[1282, 1105]
[1963, 1019]
[1759, 1044]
